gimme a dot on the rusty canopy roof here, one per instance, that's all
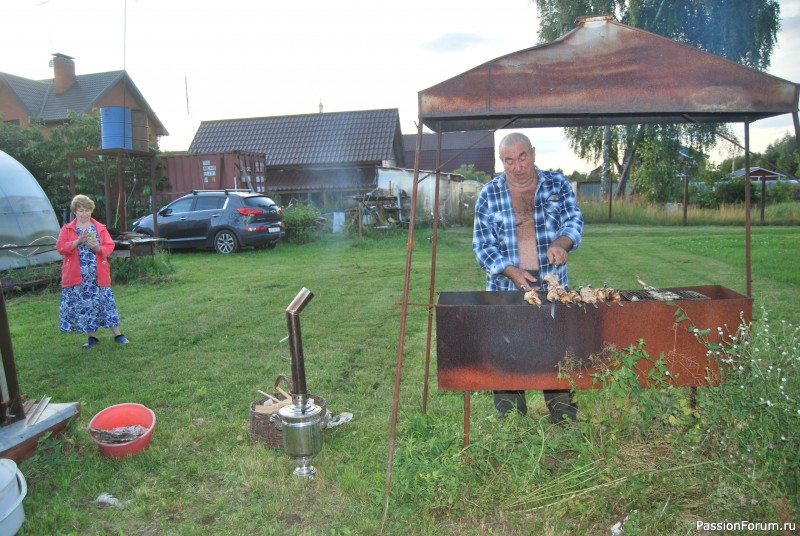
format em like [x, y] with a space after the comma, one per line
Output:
[603, 72]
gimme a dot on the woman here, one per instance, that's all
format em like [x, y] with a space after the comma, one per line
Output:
[86, 299]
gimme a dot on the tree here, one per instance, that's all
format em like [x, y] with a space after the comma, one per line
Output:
[782, 156]
[468, 172]
[19, 143]
[744, 31]
[46, 159]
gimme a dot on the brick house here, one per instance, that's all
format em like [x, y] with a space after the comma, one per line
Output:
[47, 103]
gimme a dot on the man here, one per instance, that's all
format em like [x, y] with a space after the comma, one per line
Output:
[526, 223]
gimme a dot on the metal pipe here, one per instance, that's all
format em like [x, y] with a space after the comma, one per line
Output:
[299, 390]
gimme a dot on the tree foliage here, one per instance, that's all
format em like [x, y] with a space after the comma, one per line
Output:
[743, 31]
[468, 172]
[45, 157]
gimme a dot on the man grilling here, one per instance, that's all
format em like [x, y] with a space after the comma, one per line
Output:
[526, 223]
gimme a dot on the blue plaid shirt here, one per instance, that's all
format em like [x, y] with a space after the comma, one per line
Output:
[494, 238]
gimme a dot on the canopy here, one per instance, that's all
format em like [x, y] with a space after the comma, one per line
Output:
[604, 73]
[600, 73]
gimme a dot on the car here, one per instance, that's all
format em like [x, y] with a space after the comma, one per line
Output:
[225, 220]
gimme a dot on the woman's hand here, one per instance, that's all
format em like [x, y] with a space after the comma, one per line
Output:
[82, 239]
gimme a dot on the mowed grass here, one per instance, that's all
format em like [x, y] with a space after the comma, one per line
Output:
[205, 341]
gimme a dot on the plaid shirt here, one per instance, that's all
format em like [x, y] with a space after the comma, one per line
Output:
[494, 238]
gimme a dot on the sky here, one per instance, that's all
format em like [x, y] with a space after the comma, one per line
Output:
[200, 61]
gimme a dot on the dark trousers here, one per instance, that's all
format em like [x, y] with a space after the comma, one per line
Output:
[559, 403]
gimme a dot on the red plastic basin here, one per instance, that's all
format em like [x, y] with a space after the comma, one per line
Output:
[127, 414]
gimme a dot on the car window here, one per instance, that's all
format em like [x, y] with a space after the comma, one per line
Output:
[209, 203]
[258, 201]
[181, 205]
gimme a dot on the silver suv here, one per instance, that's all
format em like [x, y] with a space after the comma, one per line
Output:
[225, 220]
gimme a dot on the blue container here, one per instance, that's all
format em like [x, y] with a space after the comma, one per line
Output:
[116, 129]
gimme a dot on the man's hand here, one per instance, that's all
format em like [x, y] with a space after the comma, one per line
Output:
[522, 279]
[558, 251]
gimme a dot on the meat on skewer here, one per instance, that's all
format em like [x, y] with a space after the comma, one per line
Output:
[532, 297]
[588, 295]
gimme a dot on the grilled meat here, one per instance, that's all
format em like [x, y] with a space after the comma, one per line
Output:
[532, 297]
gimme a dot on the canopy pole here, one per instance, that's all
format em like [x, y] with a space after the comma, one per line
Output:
[432, 287]
[748, 270]
[403, 317]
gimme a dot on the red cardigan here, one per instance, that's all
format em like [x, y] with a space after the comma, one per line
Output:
[71, 268]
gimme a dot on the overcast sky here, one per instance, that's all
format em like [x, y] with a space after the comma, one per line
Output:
[197, 61]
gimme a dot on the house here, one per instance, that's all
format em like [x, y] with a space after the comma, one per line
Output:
[458, 149]
[325, 158]
[765, 176]
[47, 103]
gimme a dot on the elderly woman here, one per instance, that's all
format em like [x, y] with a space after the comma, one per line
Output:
[86, 299]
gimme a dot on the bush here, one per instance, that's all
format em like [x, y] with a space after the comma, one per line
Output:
[781, 193]
[145, 269]
[751, 421]
[732, 193]
[300, 221]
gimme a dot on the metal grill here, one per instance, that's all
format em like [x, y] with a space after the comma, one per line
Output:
[662, 295]
[494, 340]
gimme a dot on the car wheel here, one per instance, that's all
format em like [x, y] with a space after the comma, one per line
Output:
[225, 242]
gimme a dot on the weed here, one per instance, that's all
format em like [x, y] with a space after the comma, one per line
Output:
[751, 420]
[52, 452]
[154, 268]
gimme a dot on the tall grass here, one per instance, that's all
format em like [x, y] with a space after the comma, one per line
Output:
[634, 212]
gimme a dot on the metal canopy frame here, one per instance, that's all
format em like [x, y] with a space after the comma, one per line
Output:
[600, 73]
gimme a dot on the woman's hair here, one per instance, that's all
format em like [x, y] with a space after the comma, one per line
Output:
[81, 201]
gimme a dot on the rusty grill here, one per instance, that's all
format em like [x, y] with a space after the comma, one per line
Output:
[662, 295]
[495, 340]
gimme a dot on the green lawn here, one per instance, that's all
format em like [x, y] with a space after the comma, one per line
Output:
[205, 341]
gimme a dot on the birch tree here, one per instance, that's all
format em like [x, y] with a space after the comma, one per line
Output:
[744, 31]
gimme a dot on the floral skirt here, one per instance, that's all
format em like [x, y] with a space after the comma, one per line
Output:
[85, 308]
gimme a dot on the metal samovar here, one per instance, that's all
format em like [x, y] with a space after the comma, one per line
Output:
[301, 421]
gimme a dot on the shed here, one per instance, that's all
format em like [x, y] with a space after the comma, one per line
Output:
[602, 72]
[456, 195]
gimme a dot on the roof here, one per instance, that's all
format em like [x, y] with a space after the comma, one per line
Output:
[312, 139]
[458, 149]
[603, 72]
[42, 103]
[759, 173]
[451, 140]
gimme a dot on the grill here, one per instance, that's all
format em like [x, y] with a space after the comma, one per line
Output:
[662, 295]
[495, 340]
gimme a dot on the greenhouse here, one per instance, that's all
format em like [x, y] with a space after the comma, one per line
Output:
[28, 224]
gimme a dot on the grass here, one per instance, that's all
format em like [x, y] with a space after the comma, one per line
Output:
[634, 212]
[207, 336]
